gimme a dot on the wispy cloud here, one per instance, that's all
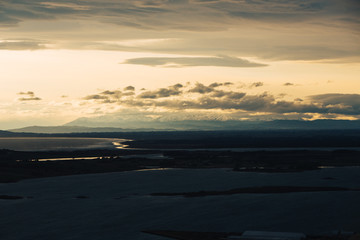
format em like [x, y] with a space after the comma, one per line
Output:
[15, 44]
[29, 96]
[220, 61]
[238, 26]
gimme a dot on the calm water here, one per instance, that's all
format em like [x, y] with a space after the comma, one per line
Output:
[57, 143]
[119, 205]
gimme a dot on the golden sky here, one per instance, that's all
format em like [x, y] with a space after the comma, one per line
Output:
[178, 60]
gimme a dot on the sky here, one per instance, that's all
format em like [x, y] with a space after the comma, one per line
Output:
[178, 60]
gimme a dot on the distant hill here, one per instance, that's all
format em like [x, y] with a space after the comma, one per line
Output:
[189, 125]
[64, 129]
[6, 134]
[210, 125]
[14, 134]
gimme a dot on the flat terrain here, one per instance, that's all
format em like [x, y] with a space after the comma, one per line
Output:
[15, 166]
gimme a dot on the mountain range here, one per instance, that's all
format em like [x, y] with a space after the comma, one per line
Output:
[83, 126]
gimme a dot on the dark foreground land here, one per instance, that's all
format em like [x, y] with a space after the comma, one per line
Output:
[15, 165]
[187, 235]
[192, 149]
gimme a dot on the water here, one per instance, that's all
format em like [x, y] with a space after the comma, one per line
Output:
[119, 205]
[73, 143]
[59, 143]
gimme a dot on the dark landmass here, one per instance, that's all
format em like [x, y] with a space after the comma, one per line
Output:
[221, 139]
[74, 129]
[189, 235]
[15, 165]
[211, 125]
[195, 149]
[255, 190]
[245, 139]
[8, 197]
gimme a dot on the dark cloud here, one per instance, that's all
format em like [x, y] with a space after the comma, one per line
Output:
[169, 14]
[30, 99]
[256, 84]
[202, 89]
[216, 84]
[226, 94]
[96, 97]
[29, 93]
[288, 84]
[162, 92]
[164, 19]
[14, 44]
[339, 103]
[129, 88]
[30, 96]
[213, 96]
[221, 61]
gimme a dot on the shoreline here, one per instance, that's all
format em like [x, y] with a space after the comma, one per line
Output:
[16, 166]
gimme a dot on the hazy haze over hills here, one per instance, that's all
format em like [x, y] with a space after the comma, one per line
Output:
[84, 125]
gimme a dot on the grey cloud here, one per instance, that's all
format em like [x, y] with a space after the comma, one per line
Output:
[29, 96]
[216, 84]
[129, 88]
[337, 98]
[162, 92]
[250, 103]
[30, 99]
[221, 61]
[229, 95]
[201, 88]
[10, 44]
[96, 97]
[29, 93]
[288, 84]
[197, 16]
[339, 103]
[213, 96]
[170, 14]
[113, 94]
[256, 84]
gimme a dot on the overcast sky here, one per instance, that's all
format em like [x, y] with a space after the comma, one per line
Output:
[178, 59]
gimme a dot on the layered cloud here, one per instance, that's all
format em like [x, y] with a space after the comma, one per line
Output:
[222, 97]
[270, 30]
[11, 44]
[176, 14]
[28, 96]
[220, 61]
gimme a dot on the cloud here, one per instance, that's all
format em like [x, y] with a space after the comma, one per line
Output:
[339, 103]
[129, 88]
[29, 93]
[201, 88]
[288, 84]
[14, 44]
[96, 97]
[30, 96]
[221, 61]
[256, 84]
[194, 27]
[177, 14]
[216, 96]
[30, 99]
[163, 92]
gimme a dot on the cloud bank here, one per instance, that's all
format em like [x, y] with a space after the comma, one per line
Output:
[221, 61]
[294, 30]
[222, 97]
